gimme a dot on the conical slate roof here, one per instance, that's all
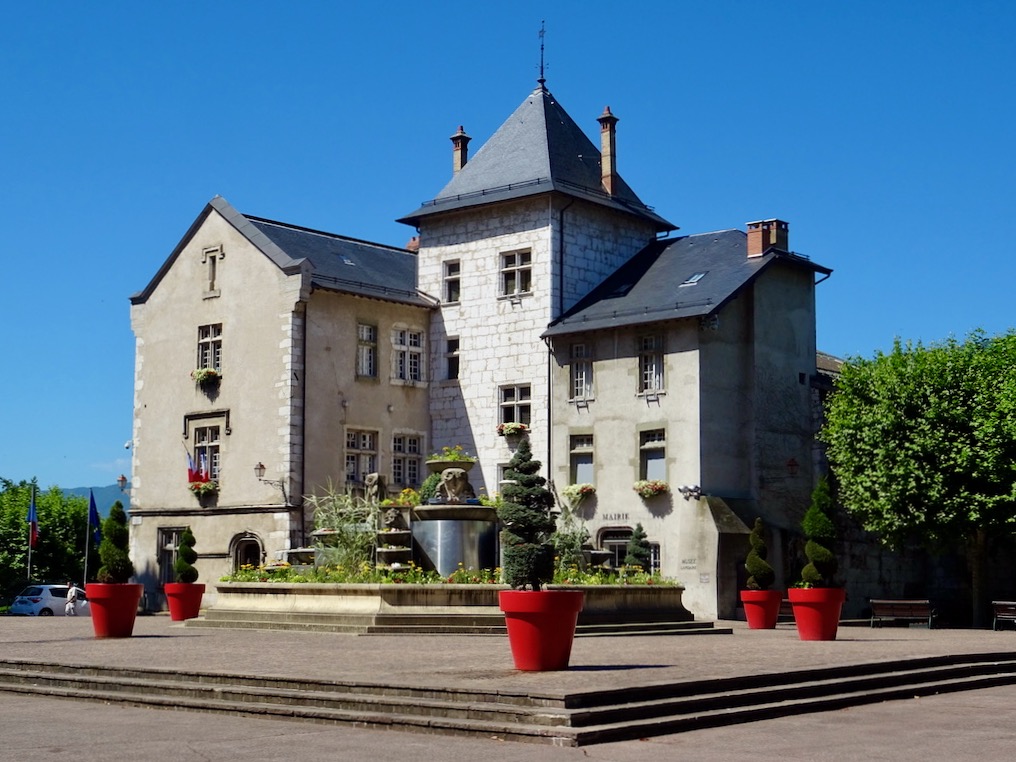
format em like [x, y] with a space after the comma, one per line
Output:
[537, 150]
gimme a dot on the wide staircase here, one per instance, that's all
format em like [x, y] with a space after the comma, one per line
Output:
[569, 719]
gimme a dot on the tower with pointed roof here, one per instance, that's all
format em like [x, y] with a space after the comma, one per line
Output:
[519, 234]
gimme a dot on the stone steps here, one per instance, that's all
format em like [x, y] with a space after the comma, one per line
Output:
[566, 719]
[431, 624]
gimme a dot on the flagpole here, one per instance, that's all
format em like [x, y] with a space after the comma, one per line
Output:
[30, 544]
[88, 531]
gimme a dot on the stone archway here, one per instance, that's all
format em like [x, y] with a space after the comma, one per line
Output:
[246, 549]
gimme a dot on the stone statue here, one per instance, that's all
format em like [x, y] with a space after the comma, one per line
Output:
[454, 487]
[376, 488]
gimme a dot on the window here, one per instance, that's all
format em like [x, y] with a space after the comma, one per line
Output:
[516, 404]
[653, 454]
[361, 455]
[366, 350]
[452, 358]
[581, 372]
[650, 364]
[694, 279]
[406, 460]
[169, 542]
[408, 355]
[210, 257]
[452, 281]
[516, 273]
[206, 452]
[581, 459]
[616, 541]
[210, 347]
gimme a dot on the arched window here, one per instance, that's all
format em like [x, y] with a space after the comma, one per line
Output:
[246, 550]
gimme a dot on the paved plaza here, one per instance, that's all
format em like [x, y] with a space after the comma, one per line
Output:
[955, 726]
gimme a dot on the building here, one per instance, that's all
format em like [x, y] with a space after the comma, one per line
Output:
[538, 291]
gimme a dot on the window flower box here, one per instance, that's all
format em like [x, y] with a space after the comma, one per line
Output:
[575, 493]
[206, 377]
[648, 488]
[204, 489]
[512, 429]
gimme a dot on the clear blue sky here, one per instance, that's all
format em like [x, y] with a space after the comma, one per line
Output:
[883, 132]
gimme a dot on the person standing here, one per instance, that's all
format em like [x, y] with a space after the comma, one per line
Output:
[71, 607]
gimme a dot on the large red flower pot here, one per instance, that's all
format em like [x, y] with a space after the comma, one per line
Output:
[541, 626]
[113, 608]
[184, 599]
[761, 608]
[817, 611]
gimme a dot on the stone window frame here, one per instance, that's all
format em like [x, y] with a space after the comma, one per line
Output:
[409, 355]
[207, 449]
[652, 442]
[452, 274]
[366, 350]
[580, 446]
[580, 371]
[515, 278]
[209, 347]
[168, 539]
[407, 458]
[515, 403]
[453, 347]
[210, 256]
[651, 357]
[360, 455]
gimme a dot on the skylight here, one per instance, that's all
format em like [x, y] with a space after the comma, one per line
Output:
[694, 279]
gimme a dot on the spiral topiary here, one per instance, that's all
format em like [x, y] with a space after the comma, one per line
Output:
[638, 552]
[185, 558]
[528, 524]
[760, 573]
[116, 563]
[820, 531]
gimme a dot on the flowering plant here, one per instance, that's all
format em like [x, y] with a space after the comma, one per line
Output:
[648, 488]
[204, 375]
[451, 453]
[510, 428]
[406, 498]
[575, 492]
[204, 488]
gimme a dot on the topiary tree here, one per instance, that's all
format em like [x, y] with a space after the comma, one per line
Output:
[185, 558]
[528, 523]
[116, 563]
[429, 487]
[819, 529]
[760, 573]
[638, 550]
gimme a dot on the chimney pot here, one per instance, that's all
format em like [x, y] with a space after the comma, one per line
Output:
[767, 234]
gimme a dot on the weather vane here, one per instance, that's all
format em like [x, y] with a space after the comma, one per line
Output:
[542, 78]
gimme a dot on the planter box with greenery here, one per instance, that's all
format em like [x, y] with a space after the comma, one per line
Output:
[113, 600]
[184, 595]
[450, 457]
[541, 623]
[817, 601]
[761, 604]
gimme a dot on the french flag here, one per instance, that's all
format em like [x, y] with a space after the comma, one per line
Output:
[192, 471]
[203, 475]
[33, 521]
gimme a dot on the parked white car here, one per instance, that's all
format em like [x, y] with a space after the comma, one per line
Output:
[46, 600]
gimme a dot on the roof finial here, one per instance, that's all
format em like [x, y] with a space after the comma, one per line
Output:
[542, 78]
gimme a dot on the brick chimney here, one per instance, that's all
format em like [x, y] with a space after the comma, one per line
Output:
[460, 149]
[414, 244]
[608, 147]
[767, 234]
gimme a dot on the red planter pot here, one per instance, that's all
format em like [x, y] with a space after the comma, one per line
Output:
[113, 608]
[761, 608]
[184, 599]
[817, 611]
[541, 626]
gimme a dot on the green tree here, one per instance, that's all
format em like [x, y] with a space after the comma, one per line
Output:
[525, 514]
[59, 552]
[185, 557]
[638, 552]
[761, 574]
[819, 529]
[114, 549]
[922, 442]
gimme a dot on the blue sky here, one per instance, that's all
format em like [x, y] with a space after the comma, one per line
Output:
[881, 131]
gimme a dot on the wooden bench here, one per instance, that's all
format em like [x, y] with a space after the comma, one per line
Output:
[1005, 611]
[901, 610]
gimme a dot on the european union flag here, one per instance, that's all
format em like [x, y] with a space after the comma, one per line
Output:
[93, 518]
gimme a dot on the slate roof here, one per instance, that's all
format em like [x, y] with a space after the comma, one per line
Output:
[648, 287]
[337, 263]
[538, 149]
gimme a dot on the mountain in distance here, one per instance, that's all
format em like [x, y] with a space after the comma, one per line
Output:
[104, 496]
